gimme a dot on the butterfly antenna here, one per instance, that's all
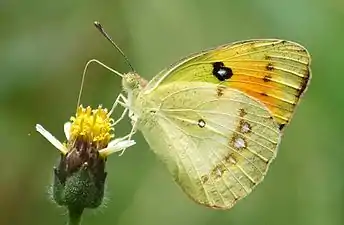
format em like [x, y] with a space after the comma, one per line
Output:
[105, 34]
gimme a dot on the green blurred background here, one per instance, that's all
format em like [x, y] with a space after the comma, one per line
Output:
[44, 46]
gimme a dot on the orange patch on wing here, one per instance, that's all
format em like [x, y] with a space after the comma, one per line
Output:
[278, 98]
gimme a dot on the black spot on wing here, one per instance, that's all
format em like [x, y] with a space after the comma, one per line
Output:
[281, 126]
[304, 84]
[269, 67]
[267, 78]
[221, 72]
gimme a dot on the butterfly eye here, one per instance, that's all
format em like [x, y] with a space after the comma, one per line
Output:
[221, 72]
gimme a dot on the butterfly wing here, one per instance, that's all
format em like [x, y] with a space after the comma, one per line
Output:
[276, 72]
[216, 141]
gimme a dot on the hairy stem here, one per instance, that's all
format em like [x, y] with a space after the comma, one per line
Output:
[74, 216]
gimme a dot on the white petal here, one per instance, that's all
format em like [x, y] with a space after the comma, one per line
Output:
[66, 128]
[121, 144]
[51, 139]
[116, 146]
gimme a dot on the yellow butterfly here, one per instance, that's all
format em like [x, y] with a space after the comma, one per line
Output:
[215, 118]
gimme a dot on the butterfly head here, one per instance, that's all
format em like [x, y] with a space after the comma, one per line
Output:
[133, 82]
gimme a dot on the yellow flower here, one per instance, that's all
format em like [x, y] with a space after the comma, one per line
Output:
[90, 128]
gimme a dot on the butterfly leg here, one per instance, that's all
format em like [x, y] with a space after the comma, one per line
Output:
[118, 101]
[119, 144]
[125, 111]
[129, 136]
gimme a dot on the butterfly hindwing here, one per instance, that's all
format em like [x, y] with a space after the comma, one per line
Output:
[216, 141]
[276, 72]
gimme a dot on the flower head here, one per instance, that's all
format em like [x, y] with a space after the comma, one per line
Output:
[91, 126]
[79, 178]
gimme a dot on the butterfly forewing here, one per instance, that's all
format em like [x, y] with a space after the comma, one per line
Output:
[216, 141]
[276, 72]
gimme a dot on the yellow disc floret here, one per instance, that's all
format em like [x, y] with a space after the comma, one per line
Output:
[92, 126]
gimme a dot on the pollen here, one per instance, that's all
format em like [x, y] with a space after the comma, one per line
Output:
[92, 126]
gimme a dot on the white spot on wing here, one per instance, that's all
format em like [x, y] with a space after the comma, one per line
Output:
[245, 128]
[232, 160]
[201, 123]
[239, 143]
[222, 72]
[218, 172]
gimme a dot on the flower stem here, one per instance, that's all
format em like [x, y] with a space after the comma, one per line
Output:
[74, 216]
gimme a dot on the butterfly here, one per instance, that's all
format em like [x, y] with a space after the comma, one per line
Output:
[216, 118]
